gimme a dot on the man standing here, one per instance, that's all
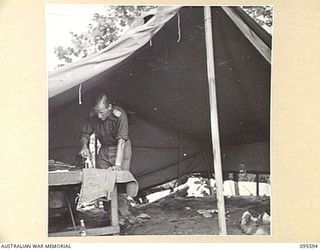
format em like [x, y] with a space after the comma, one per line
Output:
[110, 125]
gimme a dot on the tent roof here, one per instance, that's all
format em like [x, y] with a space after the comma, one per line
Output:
[166, 82]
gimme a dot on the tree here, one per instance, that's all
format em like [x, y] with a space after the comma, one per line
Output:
[263, 15]
[104, 29]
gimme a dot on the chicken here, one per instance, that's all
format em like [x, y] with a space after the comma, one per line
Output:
[255, 226]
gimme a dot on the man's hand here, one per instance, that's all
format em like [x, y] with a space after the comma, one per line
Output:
[84, 152]
[116, 168]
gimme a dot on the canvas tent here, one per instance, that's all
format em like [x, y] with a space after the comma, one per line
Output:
[157, 72]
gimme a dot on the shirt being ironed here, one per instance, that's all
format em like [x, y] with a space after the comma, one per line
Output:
[110, 130]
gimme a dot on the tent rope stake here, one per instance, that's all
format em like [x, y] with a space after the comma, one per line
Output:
[214, 121]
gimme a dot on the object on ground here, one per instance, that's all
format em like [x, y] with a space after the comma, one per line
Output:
[143, 216]
[255, 226]
[207, 213]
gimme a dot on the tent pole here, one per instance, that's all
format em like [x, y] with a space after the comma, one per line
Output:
[214, 121]
[180, 162]
[257, 183]
[95, 150]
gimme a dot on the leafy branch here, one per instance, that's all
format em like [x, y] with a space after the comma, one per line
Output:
[104, 29]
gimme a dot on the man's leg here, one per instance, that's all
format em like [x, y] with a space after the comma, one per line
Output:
[123, 205]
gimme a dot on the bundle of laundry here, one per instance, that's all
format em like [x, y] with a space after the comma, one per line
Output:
[59, 165]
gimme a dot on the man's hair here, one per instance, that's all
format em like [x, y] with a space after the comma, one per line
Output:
[101, 98]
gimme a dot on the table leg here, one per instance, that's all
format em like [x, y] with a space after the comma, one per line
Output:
[70, 211]
[114, 207]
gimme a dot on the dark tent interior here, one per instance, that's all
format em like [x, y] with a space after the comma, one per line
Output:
[164, 88]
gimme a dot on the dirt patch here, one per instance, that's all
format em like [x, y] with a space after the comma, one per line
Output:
[173, 216]
[179, 216]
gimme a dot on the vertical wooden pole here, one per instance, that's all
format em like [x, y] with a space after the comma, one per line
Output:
[257, 182]
[95, 150]
[214, 121]
[180, 162]
[236, 183]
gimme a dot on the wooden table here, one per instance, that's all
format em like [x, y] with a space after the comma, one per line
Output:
[75, 177]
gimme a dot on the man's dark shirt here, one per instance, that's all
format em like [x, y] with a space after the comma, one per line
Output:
[109, 131]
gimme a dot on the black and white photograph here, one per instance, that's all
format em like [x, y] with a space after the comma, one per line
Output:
[158, 120]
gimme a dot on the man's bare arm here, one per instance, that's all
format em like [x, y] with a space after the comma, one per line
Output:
[84, 152]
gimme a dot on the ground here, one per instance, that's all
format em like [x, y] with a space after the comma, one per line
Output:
[176, 216]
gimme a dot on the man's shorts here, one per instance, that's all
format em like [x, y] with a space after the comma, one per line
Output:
[107, 156]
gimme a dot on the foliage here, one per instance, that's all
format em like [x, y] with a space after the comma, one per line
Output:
[101, 32]
[261, 14]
